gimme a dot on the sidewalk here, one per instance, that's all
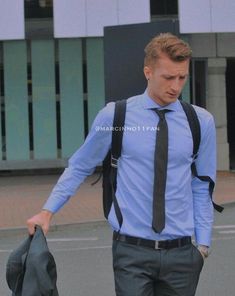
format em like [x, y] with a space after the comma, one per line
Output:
[23, 196]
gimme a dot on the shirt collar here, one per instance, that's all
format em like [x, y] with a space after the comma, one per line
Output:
[149, 103]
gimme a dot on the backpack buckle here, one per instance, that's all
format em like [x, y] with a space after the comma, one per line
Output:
[114, 162]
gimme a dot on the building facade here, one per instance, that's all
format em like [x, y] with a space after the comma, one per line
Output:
[53, 76]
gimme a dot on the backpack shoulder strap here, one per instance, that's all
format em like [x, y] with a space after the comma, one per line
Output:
[194, 125]
[196, 134]
[117, 133]
[116, 149]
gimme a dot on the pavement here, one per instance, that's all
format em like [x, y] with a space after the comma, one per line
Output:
[23, 196]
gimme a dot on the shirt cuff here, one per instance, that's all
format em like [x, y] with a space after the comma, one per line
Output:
[51, 206]
[203, 237]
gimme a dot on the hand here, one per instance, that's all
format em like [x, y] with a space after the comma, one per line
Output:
[42, 219]
[204, 250]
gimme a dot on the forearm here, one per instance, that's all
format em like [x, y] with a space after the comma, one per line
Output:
[67, 185]
[81, 164]
[203, 213]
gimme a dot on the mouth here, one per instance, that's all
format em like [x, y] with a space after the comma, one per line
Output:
[172, 95]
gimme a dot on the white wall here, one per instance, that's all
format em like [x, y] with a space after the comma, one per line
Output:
[223, 16]
[207, 16]
[69, 18]
[133, 11]
[80, 18]
[12, 19]
[100, 13]
[75, 18]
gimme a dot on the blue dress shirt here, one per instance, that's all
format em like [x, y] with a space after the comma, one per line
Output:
[189, 209]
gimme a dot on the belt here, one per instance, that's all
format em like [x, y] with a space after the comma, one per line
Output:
[161, 244]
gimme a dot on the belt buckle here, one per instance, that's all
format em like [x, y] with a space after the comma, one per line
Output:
[156, 246]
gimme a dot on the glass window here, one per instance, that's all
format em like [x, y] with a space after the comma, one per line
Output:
[1, 72]
[38, 19]
[230, 96]
[198, 72]
[38, 9]
[163, 7]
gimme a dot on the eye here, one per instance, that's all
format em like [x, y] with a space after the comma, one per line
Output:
[183, 77]
[169, 77]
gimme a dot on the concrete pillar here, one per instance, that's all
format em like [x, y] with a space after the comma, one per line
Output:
[216, 104]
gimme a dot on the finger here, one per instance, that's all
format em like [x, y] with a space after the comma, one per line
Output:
[31, 227]
[45, 229]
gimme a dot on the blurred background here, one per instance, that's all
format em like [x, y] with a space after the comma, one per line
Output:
[61, 61]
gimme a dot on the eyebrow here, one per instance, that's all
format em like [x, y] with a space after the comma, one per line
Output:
[172, 76]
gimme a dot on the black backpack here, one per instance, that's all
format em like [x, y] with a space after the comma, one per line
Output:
[111, 160]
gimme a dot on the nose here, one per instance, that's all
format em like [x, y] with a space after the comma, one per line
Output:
[176, 85]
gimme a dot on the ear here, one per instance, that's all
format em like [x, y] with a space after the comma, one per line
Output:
[147, 72]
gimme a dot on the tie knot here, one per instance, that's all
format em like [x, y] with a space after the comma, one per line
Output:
[161, 113]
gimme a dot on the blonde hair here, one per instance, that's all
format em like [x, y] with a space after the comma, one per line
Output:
[166, 43]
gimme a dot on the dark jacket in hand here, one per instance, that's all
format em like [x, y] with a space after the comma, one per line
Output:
[31, 268]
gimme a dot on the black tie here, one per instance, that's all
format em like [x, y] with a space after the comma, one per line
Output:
[160, 172]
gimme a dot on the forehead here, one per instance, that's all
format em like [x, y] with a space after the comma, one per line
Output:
[165, 65]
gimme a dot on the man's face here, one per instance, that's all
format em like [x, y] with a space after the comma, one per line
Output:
[166, 79]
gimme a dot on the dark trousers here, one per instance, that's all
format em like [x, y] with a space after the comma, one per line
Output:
[142, 271]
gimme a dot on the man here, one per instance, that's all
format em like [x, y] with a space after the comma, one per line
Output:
[143, 266]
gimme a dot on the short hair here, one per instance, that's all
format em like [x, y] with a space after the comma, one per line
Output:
[166, 43]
